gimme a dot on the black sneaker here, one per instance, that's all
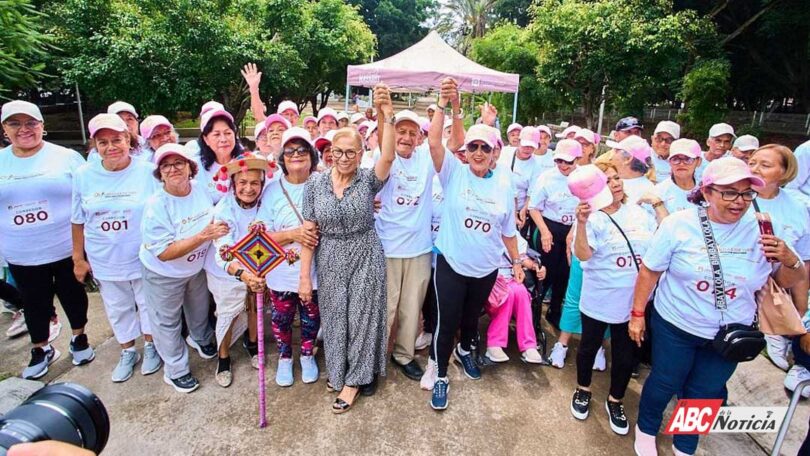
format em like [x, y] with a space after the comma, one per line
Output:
[580, 404]
[618, 420]
[184, 384]
[635, 373]
[252, 348]
[80, 350]
[40, 360]
[207, 351]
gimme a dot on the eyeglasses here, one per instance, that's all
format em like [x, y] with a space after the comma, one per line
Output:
[560, 161]
[337, 153]
[662, 139]
[178, 166]
[16, 124]
[681, 160]
[161, 136]
[731, 195]
[289, 152]
[473, 148]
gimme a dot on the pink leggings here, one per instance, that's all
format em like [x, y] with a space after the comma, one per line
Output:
[518, 303]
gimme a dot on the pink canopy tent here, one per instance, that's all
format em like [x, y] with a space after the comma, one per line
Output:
[422, 67]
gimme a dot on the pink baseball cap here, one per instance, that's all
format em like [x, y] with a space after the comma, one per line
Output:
[589, 183]
[544, 129]
[106, 121]
[276, 118]
[327, 112]
[308, 119]
[567, 131]
[530, 137]
[287, 105]
[258, 129]
[588, 135]
[514, 126]
[149, 124]
[727, 171]
[170, 149]
[685, 147]
[210, 106]
[424, 124]
[479, 132]
[636, 146]
[325, 140]
[206, 118]
[568, 150]
[295, 133]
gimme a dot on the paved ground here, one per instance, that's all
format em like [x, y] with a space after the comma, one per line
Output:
[515, 409]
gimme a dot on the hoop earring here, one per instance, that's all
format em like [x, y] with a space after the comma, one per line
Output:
[44, 133]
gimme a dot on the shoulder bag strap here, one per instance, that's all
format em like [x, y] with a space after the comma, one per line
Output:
[289, 200]
[714, 260]
[629, 245]
[513, 160]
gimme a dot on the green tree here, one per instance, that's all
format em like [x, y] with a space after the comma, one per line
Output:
[24, 47]
[462, 21]
[705, 89]
[397, 23]
[514, 11]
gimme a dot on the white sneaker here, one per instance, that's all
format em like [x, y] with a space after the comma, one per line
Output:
[777, 351]
[558, 353]
[497, 355]
[55, 330]
[644, 444]
[796, 375]
[600, 363]
[430, 376]
[17, 327]
[531, 356]
[423, 341]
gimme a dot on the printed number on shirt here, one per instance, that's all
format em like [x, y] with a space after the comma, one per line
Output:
[704, 286]
[199, 255]
[31, 213]
[627, 261]
[30, 217]
[115, 225]
[407, 201]
[477, 225]
[567, 219]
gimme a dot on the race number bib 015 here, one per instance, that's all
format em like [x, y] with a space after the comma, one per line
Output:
[30, 214]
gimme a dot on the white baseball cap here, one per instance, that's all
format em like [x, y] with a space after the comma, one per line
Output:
[206, 118]
[341, 115]
[287, 105]
[530, 137]
[480, 132]
[170, 149]
[149, 124]
[258, 129]
[544, 129]
[433, 106]
[729, 170]
[746, 143]
[668, 126]
[210, 106]
[372, 127]
[106, 121]
[122, 106]
[634, 145]
[721, 129]
[568, 150]
[686, 147]
[327, 112]
[357, 117]
[20, 107]
[589, 183]
[295, 133]
[407, 115]
[568, 131]
[588, 135]
[514, 126]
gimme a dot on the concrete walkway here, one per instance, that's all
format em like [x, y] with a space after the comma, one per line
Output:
[514, 409]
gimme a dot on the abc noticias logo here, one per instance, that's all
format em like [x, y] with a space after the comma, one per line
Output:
[702, 416]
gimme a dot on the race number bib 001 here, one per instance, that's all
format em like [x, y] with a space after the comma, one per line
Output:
[30, 214]
[112, 222]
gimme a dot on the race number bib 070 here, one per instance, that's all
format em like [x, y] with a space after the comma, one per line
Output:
[30, 214]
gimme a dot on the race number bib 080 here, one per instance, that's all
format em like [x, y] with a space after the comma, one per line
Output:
[30, 214]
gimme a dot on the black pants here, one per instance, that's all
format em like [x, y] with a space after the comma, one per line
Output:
[622, 354]
[557, 269]
[459, 300]
[38, 285]
[10, 294]
[429, 307]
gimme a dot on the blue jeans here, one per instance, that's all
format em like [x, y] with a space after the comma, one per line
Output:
[683, 365]
[800, 357]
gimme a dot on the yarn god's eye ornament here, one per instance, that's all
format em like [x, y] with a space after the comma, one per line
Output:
[257, 251]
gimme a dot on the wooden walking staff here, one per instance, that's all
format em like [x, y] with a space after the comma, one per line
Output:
[259, 254]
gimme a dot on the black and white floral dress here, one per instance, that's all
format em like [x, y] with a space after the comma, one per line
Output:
[351, 277]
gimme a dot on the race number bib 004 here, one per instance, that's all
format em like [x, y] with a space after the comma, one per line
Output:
[29, 214]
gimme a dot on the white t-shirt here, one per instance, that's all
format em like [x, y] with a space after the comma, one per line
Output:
[525, 173]
[110, 206]
[802, 181]
[167, 219]
[609, 276]
[704, 162]
[662, 168]
[685, 295]
[403, 223]
[674, 197]
[545, 161]
[507, 153]
[789, 219]
[477, 212]
[551, 196]
[277, 215]
[636, 187]
[35, 196]
[228, 210]
[192, 148]
[206, 178]
[436, 209]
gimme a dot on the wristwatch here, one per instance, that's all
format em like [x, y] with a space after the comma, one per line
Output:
[516, 261]
[238, 274]
[390, 121]
[657, 203]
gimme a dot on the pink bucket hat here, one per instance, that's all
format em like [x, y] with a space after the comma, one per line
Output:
[727, 171]
[568, 150]
[589, 183]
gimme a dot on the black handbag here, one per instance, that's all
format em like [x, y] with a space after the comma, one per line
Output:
[735, 342]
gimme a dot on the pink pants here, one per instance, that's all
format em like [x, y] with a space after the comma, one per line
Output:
[518, 303]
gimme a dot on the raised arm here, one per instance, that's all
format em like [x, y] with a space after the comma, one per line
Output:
[437, 123]
[582, 248]
[253, 77]
[456, 139]
[385, 113]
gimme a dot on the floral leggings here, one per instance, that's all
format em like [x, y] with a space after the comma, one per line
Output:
[284, 306]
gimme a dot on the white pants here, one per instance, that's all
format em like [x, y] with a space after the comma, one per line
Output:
[125, 304]
[230, 296]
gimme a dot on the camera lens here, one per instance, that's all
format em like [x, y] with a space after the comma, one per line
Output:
[67, 412]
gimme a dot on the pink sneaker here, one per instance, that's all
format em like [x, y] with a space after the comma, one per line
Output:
[644, 444]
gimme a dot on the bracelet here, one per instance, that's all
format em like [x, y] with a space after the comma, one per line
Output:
[516, 261]
[442, 107]
[636, 314]
[655, 205]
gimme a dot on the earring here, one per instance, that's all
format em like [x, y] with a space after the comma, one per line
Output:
[44, 133]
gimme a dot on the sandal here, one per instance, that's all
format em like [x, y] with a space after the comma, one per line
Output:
[329, 386]
[340, 406]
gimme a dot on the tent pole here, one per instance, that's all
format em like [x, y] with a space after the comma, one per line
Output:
[514, 108]
[348, 94]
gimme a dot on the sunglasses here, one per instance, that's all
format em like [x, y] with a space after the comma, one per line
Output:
[289, 152]
[473, 148]
[681, 160]
[560, 161]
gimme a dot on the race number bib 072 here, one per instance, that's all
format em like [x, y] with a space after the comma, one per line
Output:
[30, 214]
